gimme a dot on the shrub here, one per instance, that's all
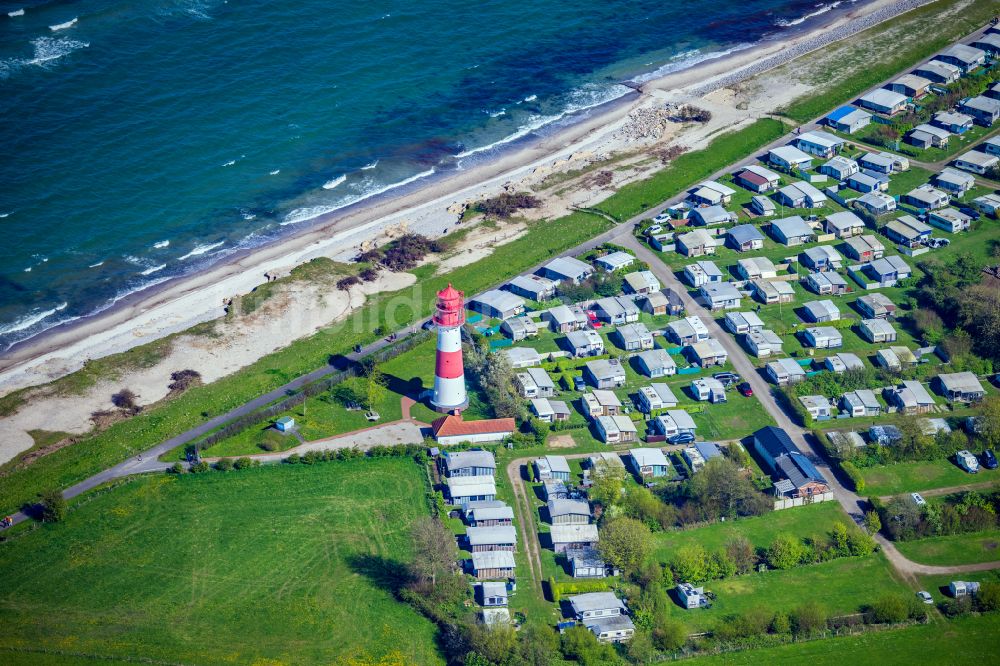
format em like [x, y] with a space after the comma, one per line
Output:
[988, 598]
[176, 468]
[808, 619]
[244, 462]
[52, 506]
[346, 283]
[854, 474]
[889, 609]
[507, 204]
[183, 380]
[224, 465]
[199, 467]
[785, 552]
[127, 401]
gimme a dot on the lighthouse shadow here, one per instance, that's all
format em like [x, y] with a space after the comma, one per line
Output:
[411, 388]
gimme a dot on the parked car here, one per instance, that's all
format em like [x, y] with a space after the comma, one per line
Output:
[655, 229]
[727, 378]
[918, 499]
[745, 389]
[925, 597]
[662, 217]
[938, 242]
[989, 459]
[578, 383]
[681, 438]
[592, 318]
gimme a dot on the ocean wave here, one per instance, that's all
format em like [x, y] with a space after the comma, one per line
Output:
[369, 167]
[497, 114]
[46, 50]
[62, 26]
[688, 59]
[229, 163]
[31, 319]
[531, 98]
[99, 263]
[28, 269]
[247, 214]
[16, 12]
[3, 215]
[159, 245]
[275, 172]
[822, 9]
[134, 260]
[330, 184]
[586, 97]
[201, 249]
[368, 189]
[153, 269]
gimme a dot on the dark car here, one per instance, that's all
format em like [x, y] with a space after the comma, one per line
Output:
[989, 459]
[578, 383]
[727, 378]
[745, 389]
[681, 438]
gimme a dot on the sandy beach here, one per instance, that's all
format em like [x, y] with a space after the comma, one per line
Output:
[430, 210]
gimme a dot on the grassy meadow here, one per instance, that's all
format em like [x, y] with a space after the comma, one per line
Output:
[277, 565]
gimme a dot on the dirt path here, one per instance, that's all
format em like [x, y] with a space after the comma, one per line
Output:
[937, 492]
[529, 535]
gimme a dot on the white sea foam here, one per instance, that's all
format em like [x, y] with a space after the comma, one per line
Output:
[497, 114]
[134, 260]
[531, 98]
[153, 269]
[28, 269]
[62, 26]
[30, 320]
[229, 163]
[369, 188]
[688, 59]
[247, 214]
[330, 184]
[46, 50]
[99, 263]
[202, 249]
[368, 167]
[159, 245]
[822, 9]
[16, 12]
[3, 215]
[275, 172]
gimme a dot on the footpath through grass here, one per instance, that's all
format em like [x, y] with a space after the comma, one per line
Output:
[159, 422]
[689, 168]
[279, 564]
[967, 640]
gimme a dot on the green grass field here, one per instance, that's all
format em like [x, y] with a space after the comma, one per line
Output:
[954, 549]
[803, 521]
[283, 564]
[912, 477]
[842, 586]
[969, 640]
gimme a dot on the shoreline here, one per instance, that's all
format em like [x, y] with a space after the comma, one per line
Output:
[181, 302]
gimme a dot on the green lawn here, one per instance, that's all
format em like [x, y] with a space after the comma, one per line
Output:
[911, 477]
[804, 521]
[937, 585]
[968, 640]
[282, 564]
[954, 549]
[842, 586]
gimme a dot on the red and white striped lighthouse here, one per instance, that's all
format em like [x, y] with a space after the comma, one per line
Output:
[449, 374]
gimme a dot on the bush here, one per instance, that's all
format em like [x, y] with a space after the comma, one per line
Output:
[854, 474]
[183, 380]
[245, 462]
[199, 467]
[988, 598]
[176, 468]
[52, 506]
[889, 609]
[785, 552]
[808, 619]
[345, 283]
[507, 204]
[224, 465]
[560, 590]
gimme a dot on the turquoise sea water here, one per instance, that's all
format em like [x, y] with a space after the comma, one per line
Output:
[146, 139]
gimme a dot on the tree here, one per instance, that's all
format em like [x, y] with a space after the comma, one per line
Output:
[609, 480]
[840, 537]
[375, 386]
[52, 506]
[742, 553]
[433, 550]
[580, 644]
[872, 522]
[625, 543]
[785, 552]
[989, 422]
[808, 619]
[988, 597]
[669, 634]
[640, 648]
[780, 624]
[496, 643]
[690, 564]
[723, 491]
[539, 646]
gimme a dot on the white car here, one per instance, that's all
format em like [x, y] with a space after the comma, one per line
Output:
[918, 499]
[925, 597]
[662, 217]
[655, 229]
